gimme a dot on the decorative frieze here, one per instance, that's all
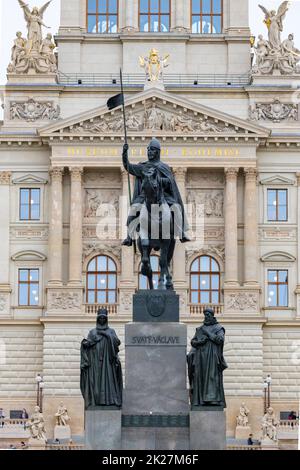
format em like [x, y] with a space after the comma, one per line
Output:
[32, 111]
[95, 198]
[3, 302]
[207, 203]
[29, 233]
[241, 301]
[275, 111]
[64, 300]
[5, 177]
[97, 247]
[205, 179]
[277, 233]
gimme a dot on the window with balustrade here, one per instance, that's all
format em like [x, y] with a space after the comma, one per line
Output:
[101, 282]
[155, 16]
[102, 16]
[205, 281]
[206, 16]
[143, 280]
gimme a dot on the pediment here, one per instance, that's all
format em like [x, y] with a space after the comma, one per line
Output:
[29, 179]
[278, 180]
[155, 112]
[278, 257]
[28, 256]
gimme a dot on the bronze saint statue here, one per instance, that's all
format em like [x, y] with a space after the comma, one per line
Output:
[101, 380]
[206, 363]
[157, 216]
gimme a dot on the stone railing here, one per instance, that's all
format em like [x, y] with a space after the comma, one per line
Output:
[64, 447]
[92, 309]
[288, 424]
[288, 429]
[243, 447]
[198, 309]
[13, 423]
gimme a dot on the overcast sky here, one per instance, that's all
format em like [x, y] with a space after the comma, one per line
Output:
[12, 20]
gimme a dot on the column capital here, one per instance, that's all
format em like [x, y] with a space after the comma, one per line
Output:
[250, 174]
[231, 172]
[179, 172]
[56, 173]
[76, 172]
[5, 177]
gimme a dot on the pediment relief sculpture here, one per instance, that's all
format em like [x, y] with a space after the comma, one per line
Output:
[154, 118]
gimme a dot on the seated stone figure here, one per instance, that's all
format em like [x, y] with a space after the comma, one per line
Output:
[62, 417]
[101, 373]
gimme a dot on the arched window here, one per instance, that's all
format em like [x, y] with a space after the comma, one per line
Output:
[102, 16]
[205, 281]
[206, 16]
[154, 16]
[101, 283]
[143, 281]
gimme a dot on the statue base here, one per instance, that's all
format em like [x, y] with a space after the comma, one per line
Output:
[207, 430]
[103, 429]
[36, 444]
[35, 78]
[292, 80]
[155, 399]
[156, 306]
[62, 433]
[242, 432]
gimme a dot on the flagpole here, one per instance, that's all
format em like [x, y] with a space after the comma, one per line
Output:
[126, 142]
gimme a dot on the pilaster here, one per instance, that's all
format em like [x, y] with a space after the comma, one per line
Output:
[5, 289]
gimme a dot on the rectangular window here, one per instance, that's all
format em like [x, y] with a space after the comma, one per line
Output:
[28, 287]
[102, 16]
[278, 288]
[277, 205]
[30, 204]
[155, 16]
[206, 16]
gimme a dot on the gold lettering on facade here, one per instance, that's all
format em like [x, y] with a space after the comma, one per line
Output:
[166, 152]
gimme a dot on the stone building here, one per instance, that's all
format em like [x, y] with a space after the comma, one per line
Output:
[230, 131]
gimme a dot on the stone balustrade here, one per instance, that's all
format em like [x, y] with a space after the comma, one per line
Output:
[198, 309]
[288, 429]
[243, 447]
[92, 309]
[64, 447]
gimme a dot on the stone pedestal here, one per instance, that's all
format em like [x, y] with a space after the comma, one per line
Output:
[36, 444]
[268, 444]
[62, 432]
[156, 402]
[103, 429]
[242, 432]
[207, 430]
[36, 78]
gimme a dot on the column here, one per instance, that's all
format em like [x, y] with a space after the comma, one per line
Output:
[179, 15]
[297, 291]
[179, 259]
[128, 281]
[75, 250]
[231, 234]
[131, 14]
[250, 230]
[5, 177]
[55, 227]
